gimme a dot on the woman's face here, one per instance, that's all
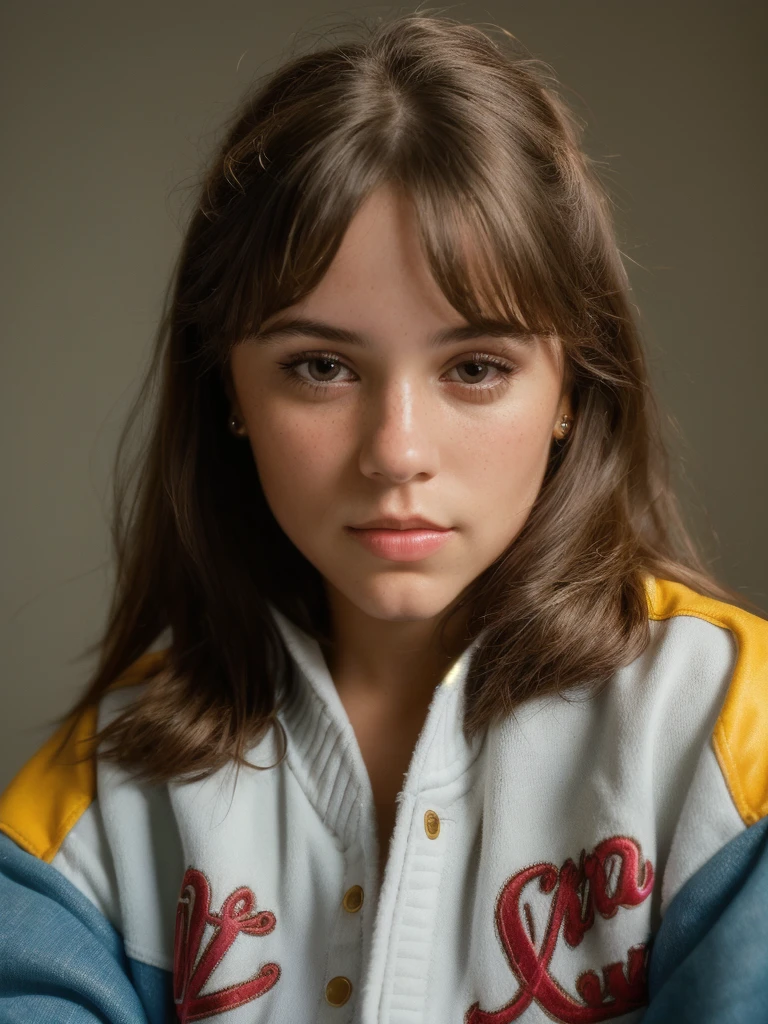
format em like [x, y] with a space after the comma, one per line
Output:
[395, 426]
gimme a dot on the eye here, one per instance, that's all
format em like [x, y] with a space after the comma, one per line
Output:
[482, 362]
[504, 371]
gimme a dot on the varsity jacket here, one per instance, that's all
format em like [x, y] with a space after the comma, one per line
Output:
[584, 860]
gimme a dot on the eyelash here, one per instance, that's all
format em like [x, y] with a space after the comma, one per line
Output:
[506, 369]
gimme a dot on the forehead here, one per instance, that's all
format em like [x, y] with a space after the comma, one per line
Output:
[381, 275]
[381, 260]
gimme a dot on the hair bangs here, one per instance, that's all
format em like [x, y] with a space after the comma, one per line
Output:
[469, 258]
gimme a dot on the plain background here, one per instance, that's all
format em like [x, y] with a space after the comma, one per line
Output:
[109, 113]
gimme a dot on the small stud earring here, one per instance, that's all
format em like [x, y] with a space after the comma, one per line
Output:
[237, 428]
[565, 426]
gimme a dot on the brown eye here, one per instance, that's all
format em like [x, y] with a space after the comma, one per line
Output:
[478, 371]
[324, 377]
[327, 366]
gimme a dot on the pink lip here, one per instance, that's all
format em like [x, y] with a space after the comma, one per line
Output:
[401, 545]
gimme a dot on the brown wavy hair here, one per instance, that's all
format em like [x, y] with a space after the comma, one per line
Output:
[476, 132]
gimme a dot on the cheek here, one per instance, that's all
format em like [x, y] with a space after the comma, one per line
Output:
[504, 472]
[511, 449]
[298, 459]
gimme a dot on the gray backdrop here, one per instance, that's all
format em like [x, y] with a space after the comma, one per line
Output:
[108, 112]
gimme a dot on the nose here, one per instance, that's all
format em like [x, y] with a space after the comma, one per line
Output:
[399, 434]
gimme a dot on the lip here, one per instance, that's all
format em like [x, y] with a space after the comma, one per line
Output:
[393, 523]
[401, 545]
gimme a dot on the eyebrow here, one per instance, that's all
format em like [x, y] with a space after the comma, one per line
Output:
[302, 326]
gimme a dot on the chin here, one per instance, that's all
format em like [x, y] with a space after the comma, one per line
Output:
[396, 599]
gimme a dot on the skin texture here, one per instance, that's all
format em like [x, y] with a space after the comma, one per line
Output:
[400, 429]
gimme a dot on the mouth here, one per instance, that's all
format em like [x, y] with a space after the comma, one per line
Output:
[406, 523]
[401, 545]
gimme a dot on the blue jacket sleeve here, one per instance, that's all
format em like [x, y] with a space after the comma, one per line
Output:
[709, 959]
[61, 960]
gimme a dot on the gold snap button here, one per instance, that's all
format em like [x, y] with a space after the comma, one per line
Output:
[431, 825]
[338, 990]
[353, 899]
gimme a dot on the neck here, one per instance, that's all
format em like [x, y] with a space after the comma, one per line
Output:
[397, 663]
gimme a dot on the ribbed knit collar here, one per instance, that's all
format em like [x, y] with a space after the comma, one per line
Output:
[323, 751]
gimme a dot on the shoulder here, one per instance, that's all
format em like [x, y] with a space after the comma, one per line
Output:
[55, 788]
[715, 877]
[716, 637]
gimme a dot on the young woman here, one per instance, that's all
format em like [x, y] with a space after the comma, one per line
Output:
[415, 703]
